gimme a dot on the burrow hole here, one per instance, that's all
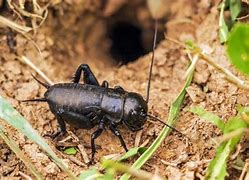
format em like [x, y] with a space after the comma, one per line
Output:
[131, 38]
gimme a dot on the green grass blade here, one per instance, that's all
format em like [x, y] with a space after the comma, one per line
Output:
[132, 152]
[120, 167]
[213, 118]
[90, 174]
[14, 147]
[235, 8]
[173, 113]
[223, 29]
[11, 116]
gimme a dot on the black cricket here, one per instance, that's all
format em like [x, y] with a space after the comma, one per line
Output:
[91, 104]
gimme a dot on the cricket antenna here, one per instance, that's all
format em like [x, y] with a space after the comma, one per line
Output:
[159, 120]
[152, 60]
[35, 100]
[42, 83]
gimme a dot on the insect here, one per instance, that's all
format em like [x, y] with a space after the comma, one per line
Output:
[91, 104]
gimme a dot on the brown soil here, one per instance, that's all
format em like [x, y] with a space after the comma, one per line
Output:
[73, 34]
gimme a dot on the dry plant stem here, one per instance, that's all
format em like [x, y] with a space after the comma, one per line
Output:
[21, 4]
[193, 64]
[25, 176]
[232, 134]
[245, 172]
[76, 161]
[247, 175]
[26, 13]
[65, 139]
[36, 46]
[236, 153]
[81, 147]
[140, 174]
[243, 17]
[15, 26]
[228, 75]
[23, 29]
[181, 20]
[138, 138]
[145, 143]
[169, 163]
[29, 63]
[13, 9]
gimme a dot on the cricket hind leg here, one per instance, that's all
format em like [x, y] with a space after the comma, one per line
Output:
[88, 76]
[62, 127]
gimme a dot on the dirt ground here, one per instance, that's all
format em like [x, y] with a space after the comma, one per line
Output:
[73, 34]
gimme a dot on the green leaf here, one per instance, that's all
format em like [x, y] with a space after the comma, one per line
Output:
[173, 114]
[235, 8]
[132, 152]
[242, 109]
[217, 167]
[90, 174]
[12, 117]
[70, 151]
[223, 29]
[109, 175]
[190, 44]
[238, 47]
[213, 118]
[233, 124]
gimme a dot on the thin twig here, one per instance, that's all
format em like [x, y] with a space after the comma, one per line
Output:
[138, 138]
[76, 161]
[192, 65]
[181, 20]
[23, 30]
[243, 17]
[231, 135]
[25, 175]
[236, 153]
[175, 41]
[13, 9]
[21, 3]
[228, 75]
[26, 13]
[15, 26]
[29, 63]
[81, 147]
[245, 171]
[145, 142]
[169, 163]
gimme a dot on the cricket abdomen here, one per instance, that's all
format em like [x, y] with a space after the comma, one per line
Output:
[72, 97]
